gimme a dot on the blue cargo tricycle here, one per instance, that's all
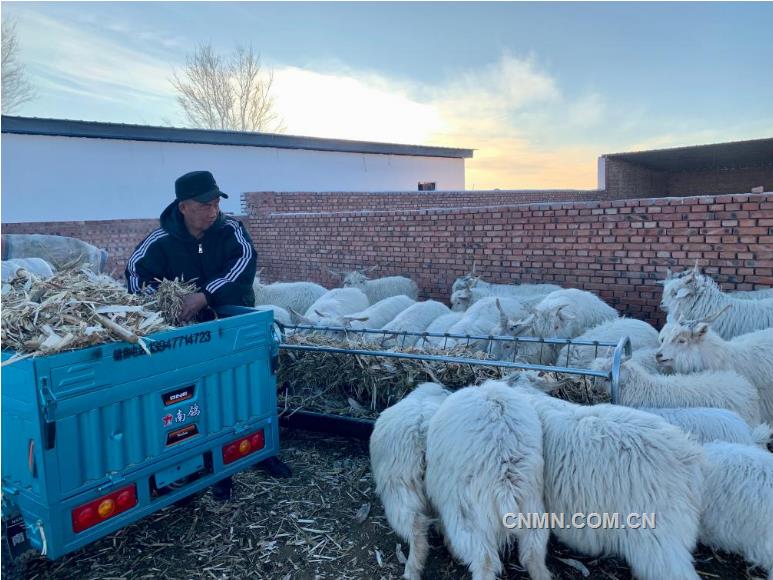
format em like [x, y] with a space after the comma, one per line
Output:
[97, 438]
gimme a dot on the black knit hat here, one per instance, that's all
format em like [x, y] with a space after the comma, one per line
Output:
[197, 185]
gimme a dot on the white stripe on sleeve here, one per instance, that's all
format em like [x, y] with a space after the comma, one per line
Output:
[139, 253]
[239, 266]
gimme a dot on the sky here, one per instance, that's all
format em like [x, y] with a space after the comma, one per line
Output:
[538, 90]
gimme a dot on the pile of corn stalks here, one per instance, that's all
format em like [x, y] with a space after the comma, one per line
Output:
[364, 385]
[77, 309]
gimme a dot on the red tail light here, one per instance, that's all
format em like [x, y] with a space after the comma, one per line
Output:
[104, 508]
[243, 446]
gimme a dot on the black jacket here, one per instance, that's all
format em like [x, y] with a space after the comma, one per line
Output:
[222, 262]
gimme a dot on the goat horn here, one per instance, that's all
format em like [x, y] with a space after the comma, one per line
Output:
[502, 316]
[298, 318]
[711, 318]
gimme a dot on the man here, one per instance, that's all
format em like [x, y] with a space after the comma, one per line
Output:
[198, 243]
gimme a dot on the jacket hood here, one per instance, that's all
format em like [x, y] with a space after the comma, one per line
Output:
[173, 222]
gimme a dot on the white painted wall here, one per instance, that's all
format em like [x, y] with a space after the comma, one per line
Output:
[72, 178]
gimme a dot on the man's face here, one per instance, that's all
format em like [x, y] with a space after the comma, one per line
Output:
[199, 217]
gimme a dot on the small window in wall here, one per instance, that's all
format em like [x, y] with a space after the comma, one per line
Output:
[426, 186]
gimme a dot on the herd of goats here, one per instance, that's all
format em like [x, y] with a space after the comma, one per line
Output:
[688, 441]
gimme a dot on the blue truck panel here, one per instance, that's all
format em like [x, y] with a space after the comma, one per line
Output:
[82, 424]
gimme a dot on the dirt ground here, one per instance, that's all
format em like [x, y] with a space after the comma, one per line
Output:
[324, 522]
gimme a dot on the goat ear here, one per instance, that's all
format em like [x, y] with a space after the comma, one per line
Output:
[700, 330]
[370, 269]
[350, 319]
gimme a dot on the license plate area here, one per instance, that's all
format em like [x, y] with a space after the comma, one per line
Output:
[178, 476]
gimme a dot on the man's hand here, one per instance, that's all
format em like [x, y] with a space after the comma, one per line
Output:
[192, 305]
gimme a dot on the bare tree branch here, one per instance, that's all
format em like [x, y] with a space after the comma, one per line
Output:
[16, 89]
[233, 94]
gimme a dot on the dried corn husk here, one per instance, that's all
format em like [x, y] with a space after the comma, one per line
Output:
[169, 298]
[76, 309]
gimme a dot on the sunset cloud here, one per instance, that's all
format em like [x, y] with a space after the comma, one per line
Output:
[478, 109]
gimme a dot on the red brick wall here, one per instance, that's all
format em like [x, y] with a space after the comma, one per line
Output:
[269, 201]
[618, 249]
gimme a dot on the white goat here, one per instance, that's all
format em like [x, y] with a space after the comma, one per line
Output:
[397, 456]
[474, 289]
[296, 295]
[708, 424]
[642, 335]
[464, 281]
[414, 319]
[280, 314]
[561, 314]
[483, 319]
[738, 502]
[333, 304]
[644, 356]
[484, 460]
[373, 317]
[694, 296]
[441, 325]
[717, 389]
[608, 459]
[36, 266]
[693, 346]
[381, 288]
[377, 315]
